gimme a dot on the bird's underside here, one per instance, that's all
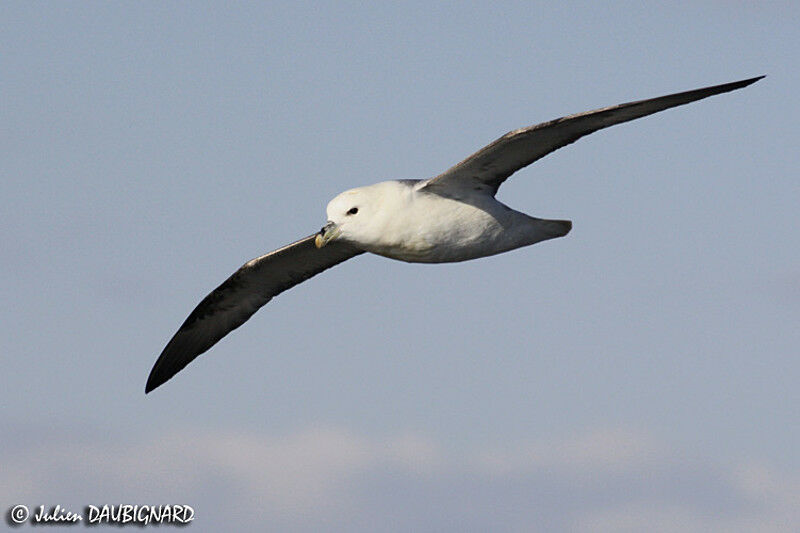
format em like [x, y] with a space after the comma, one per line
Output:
[473, 181]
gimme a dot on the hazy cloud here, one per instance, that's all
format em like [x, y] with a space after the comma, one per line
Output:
[330, 478]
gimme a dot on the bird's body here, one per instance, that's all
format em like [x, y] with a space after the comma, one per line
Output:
[451, 217]
[410, 224]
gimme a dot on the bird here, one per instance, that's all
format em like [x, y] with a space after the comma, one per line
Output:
[451, 217]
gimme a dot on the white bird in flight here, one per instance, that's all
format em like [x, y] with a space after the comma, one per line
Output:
[451, 217]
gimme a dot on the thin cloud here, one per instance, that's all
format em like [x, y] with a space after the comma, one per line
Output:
[334, 479]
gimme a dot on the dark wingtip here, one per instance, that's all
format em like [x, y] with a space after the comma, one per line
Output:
[153, 382]
[742, 83]
[734, 85]
[159, 374]
[750, 81]
[725, 87]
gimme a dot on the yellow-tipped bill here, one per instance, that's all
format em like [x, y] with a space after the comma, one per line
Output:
[328, 232]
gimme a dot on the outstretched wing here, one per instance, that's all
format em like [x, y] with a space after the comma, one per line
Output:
[232, 303]
[490, 166]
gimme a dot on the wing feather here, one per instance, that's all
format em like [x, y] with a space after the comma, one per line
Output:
[230, 305]
[491, 165]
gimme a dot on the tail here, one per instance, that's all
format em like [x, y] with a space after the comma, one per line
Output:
[559, 228]
[543, 229]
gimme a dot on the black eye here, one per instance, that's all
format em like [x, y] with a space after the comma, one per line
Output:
[353, 211]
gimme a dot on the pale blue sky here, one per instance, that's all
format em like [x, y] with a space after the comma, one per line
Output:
[642, 370]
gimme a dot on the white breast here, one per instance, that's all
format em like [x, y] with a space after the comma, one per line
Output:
[429, 228]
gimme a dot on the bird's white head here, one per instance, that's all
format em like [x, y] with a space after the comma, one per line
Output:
[354, 216]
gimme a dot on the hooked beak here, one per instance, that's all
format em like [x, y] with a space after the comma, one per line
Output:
[328, 232]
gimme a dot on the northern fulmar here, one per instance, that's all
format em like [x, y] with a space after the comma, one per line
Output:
[451, 217]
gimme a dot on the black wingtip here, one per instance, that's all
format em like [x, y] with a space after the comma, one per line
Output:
[152, 383]
[727, 87]
[750, 81]
[744, 83]
[157, 377]
[734, 85]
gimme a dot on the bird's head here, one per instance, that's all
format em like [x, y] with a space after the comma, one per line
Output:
[348, 217]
